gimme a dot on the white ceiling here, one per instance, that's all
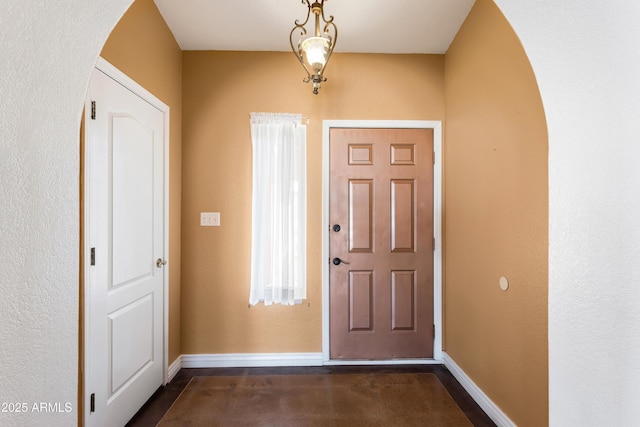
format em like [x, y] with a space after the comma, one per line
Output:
[375, 26]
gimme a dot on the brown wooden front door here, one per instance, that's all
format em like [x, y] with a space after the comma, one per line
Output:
[381, 243]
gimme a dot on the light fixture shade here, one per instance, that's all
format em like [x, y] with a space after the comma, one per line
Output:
[314, 51]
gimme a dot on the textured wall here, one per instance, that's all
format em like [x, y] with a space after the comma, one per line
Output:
[495, 214]
[48, 50]
[220, 90]
[142, 46]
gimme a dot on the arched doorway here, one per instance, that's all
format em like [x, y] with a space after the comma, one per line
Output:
[204, 293]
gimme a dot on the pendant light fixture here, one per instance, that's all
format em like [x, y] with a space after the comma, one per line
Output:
[314, 48]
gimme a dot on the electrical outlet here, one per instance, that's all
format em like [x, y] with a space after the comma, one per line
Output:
[209, 219]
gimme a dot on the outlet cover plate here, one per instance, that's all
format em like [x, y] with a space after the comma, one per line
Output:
[210, 219]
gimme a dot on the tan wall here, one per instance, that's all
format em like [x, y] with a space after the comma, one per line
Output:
[496, 219]
[142, 46]
[220, 90]
[496, 216]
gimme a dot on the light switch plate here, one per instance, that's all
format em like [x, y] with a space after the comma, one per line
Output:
[209, 219]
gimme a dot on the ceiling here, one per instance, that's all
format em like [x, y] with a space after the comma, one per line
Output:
[374, 26]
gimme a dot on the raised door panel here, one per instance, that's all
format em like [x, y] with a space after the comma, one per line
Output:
[361, 215]
[402, 227]
[132, 195]
[361, 300]
[131, 342]
[403, 300]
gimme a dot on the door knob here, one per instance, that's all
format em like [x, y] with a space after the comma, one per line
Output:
[336, 228]
[338, 261]
[160, 262]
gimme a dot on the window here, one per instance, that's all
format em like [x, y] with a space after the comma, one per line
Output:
[279, 209]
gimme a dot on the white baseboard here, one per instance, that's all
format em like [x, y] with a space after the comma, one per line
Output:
[174, 368]
[261, 360]
[250, 360]
[487, 405]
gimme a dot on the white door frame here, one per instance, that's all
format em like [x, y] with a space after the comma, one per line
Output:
[437, 231]
[140, 91]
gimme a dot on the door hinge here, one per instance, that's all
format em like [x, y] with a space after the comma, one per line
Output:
[433, 157]
[434, 332]
[93, 110]
[434, 243]
[93, 403]
[93, 256]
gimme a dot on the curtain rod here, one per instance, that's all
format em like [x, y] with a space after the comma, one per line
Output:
[302, 118]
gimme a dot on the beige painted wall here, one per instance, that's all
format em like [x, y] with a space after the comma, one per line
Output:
[142, 46]
[220, 90]
[496, 216]
[495, 190]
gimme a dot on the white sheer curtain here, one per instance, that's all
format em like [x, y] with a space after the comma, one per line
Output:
[279, 209]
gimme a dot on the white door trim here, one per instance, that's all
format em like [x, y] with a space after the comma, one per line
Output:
[437, 230]
[140, 91]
